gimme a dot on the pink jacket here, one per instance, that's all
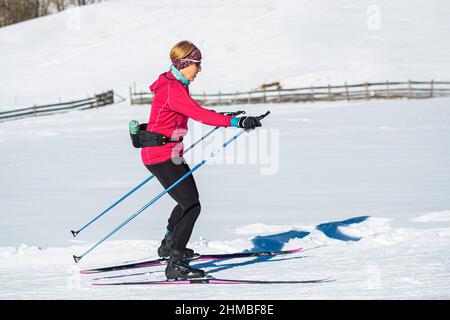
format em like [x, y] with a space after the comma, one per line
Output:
[172, 106]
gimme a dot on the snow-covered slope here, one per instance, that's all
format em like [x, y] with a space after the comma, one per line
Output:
[244, 43]
[363, 187]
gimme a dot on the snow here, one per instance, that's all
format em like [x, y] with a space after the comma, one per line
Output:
[439, 216]
[390, 264]
[363, 187]
[369, 206]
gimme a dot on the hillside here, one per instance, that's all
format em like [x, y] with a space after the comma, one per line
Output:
[110, 45]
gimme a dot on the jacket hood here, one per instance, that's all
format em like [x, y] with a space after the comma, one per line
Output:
[162, 81]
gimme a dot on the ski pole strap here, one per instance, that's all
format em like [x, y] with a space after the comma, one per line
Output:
[232, 113]
[144, 138]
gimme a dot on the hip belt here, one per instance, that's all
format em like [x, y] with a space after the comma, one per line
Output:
[143, 138]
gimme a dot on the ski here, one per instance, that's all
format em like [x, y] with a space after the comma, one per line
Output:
[212, 281]
[163, 261]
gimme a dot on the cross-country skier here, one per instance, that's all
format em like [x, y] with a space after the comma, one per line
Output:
[172, 106]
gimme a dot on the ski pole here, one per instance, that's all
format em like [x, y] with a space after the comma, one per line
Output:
[75, 233]
[78, 258]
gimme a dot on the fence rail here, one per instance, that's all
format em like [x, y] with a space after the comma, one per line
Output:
[99, 100]
[362, 91]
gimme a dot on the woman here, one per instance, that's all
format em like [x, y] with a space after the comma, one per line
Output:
[172, 106]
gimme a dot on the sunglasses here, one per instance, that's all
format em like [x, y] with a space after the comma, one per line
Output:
[196, 62]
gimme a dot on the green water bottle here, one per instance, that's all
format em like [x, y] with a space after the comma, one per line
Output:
[134, 127]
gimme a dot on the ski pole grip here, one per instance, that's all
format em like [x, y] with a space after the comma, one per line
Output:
[233, 113]
[238, 113]
[263, 115]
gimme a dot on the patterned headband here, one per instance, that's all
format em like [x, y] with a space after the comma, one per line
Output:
[194, 57]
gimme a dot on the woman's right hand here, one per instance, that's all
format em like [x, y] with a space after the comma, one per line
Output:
[248, 122]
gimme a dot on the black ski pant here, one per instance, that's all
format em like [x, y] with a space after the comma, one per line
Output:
[187, 210]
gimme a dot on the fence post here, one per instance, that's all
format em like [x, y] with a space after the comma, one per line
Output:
[111, 96]
[220, 100]
[346, 92]
[34, 111]
[330, 96]
[204, 98]
[279, 95]
[249, 97]
[409, 90]
[264, 95]
[388, 93]
[235, 97]
[366, 85]
[102, 100]
[432, 89]
[312, 93]
[131, 95]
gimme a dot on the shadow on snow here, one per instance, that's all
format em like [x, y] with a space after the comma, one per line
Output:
[277, 241]
[331, 228]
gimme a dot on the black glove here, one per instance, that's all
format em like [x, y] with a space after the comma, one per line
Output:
[249, 122]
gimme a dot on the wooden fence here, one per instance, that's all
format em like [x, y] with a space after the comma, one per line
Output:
[363, 91]
[99, 100]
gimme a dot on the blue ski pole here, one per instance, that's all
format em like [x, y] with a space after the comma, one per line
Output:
[78, 258]
[75, 233]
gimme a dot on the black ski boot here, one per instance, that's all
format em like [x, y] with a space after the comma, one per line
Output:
[165, 249]
[179, 268]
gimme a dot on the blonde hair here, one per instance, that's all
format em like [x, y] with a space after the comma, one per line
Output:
[182, 49]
